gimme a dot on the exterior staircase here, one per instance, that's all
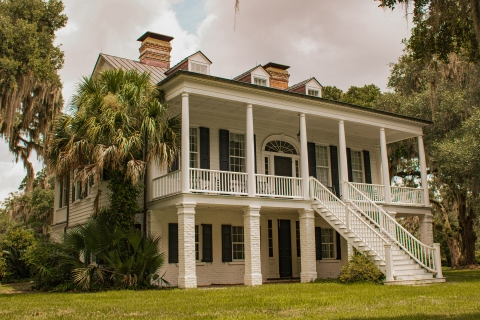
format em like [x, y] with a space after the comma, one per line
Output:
[369, 229]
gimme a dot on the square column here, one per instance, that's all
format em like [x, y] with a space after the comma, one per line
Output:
[185, 147]
[253, 260]
[187, 276]
[307, 245]
[304, 157]
[385, 172]
[250, 153]
[342, 145]
[423, 170]
[426, 229]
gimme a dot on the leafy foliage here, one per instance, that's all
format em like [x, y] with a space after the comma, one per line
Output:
[360, 269]
[30, 88]
[13, 246]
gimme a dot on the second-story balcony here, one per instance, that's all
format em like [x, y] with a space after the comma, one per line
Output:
[215, 182]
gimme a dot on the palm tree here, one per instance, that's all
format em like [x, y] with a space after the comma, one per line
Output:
[118, 123]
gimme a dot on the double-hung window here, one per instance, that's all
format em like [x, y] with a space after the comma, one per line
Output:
[63, 193]
[194, 157]
[357, 166]
[328, 243]
[197, 243]
[238, 247]
[237, 152]
[323, 168]
[313, 92]
[199, 68]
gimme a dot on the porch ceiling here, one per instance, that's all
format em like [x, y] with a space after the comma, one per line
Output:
[227, 109]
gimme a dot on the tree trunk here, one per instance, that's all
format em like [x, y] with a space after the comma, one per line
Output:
[452, 241]
[466, 219]
[145, 146]
[475, 6]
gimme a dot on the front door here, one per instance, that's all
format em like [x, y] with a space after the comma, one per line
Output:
[283, 166]
[284, 249]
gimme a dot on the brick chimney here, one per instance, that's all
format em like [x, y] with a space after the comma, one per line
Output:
[155, 49]
[278, 75]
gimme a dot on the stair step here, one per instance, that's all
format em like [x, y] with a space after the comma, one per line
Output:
[403, 262]
[409, 272]
[414, 277]
[406, 267]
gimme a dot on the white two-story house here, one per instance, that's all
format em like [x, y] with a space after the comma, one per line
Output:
[273, 181]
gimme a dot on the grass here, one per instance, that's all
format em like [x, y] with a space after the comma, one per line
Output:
[459, 298]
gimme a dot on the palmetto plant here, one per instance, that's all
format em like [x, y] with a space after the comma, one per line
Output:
[118, 123]
[106, 255]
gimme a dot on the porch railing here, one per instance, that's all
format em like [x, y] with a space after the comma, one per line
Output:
[407, 196]
[277, 186]
[218, 182]
[167, 185]
[376, 192]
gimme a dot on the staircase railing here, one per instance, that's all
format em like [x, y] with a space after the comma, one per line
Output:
[354, 222]
[420, 252]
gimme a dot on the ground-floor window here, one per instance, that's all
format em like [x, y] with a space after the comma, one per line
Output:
[270, 239]
[197, 243]
[238, 247]
[328, 243]
[297, 233]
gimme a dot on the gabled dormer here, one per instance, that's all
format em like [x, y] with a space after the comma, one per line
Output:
[257, 75]
[197, 62]
[310, 87]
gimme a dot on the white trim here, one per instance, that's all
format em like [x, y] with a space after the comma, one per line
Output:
[271, 155]
[329, 162]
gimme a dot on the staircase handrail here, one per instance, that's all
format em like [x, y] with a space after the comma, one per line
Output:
[423, 254]
[379, 252]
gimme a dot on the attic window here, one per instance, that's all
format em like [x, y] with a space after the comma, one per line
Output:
[260, 81]
[312, 92]
[199, 68]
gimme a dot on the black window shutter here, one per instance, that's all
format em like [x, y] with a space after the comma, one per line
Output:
[255, 150]
[204, 148]
[349, 164]
[318, 242]
[312, 160]
[334, 169]
[207, 243]
[173, 243]
[226, 243]
[339, 246]
[368, 167]
[224, 150]
[175, 164]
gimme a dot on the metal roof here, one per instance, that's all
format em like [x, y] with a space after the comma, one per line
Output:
[156, 73]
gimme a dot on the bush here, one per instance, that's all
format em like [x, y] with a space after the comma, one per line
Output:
[47, 268]
[13, 246]
[361, 269]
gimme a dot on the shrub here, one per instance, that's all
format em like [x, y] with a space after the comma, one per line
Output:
[361, 269]
[13, 246]
[47, 267]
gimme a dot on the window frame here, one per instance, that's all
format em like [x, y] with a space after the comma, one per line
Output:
[197, 145]
[193, 63]
[329, 167]
[362, 172]
[316, 91]
[259, 78]
[239, 243]
[198, 244]
[332, 244]
[230, 157]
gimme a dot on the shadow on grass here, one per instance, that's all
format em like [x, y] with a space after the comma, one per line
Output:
[462, 275]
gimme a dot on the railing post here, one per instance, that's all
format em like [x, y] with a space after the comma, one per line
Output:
[304, 156]
[388, 262]
[251, 183]
[342, 144]
[347, 215]
[185, 148]
[438, 260]
[423, 170]
[385, 172]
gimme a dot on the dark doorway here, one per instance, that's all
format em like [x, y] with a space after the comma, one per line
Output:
[284, 249]
[283, 166]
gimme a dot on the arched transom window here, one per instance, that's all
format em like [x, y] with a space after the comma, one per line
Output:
[280, 146]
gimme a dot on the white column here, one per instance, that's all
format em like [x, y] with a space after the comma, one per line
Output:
[250, 153]
[385, 173]
[185, 148]
[187, 276]
[308, 258]
[388, 262]
[423, 170]
[253, 260]
[342, 145]
[438, 260]
[304, 156]
[426, 229]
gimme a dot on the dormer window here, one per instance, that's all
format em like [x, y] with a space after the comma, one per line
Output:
[199, 68]
[313, 93]
[260, 81]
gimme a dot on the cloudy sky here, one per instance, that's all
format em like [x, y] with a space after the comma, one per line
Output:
[341, 42]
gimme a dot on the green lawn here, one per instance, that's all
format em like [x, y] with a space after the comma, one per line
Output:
[459, 298]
